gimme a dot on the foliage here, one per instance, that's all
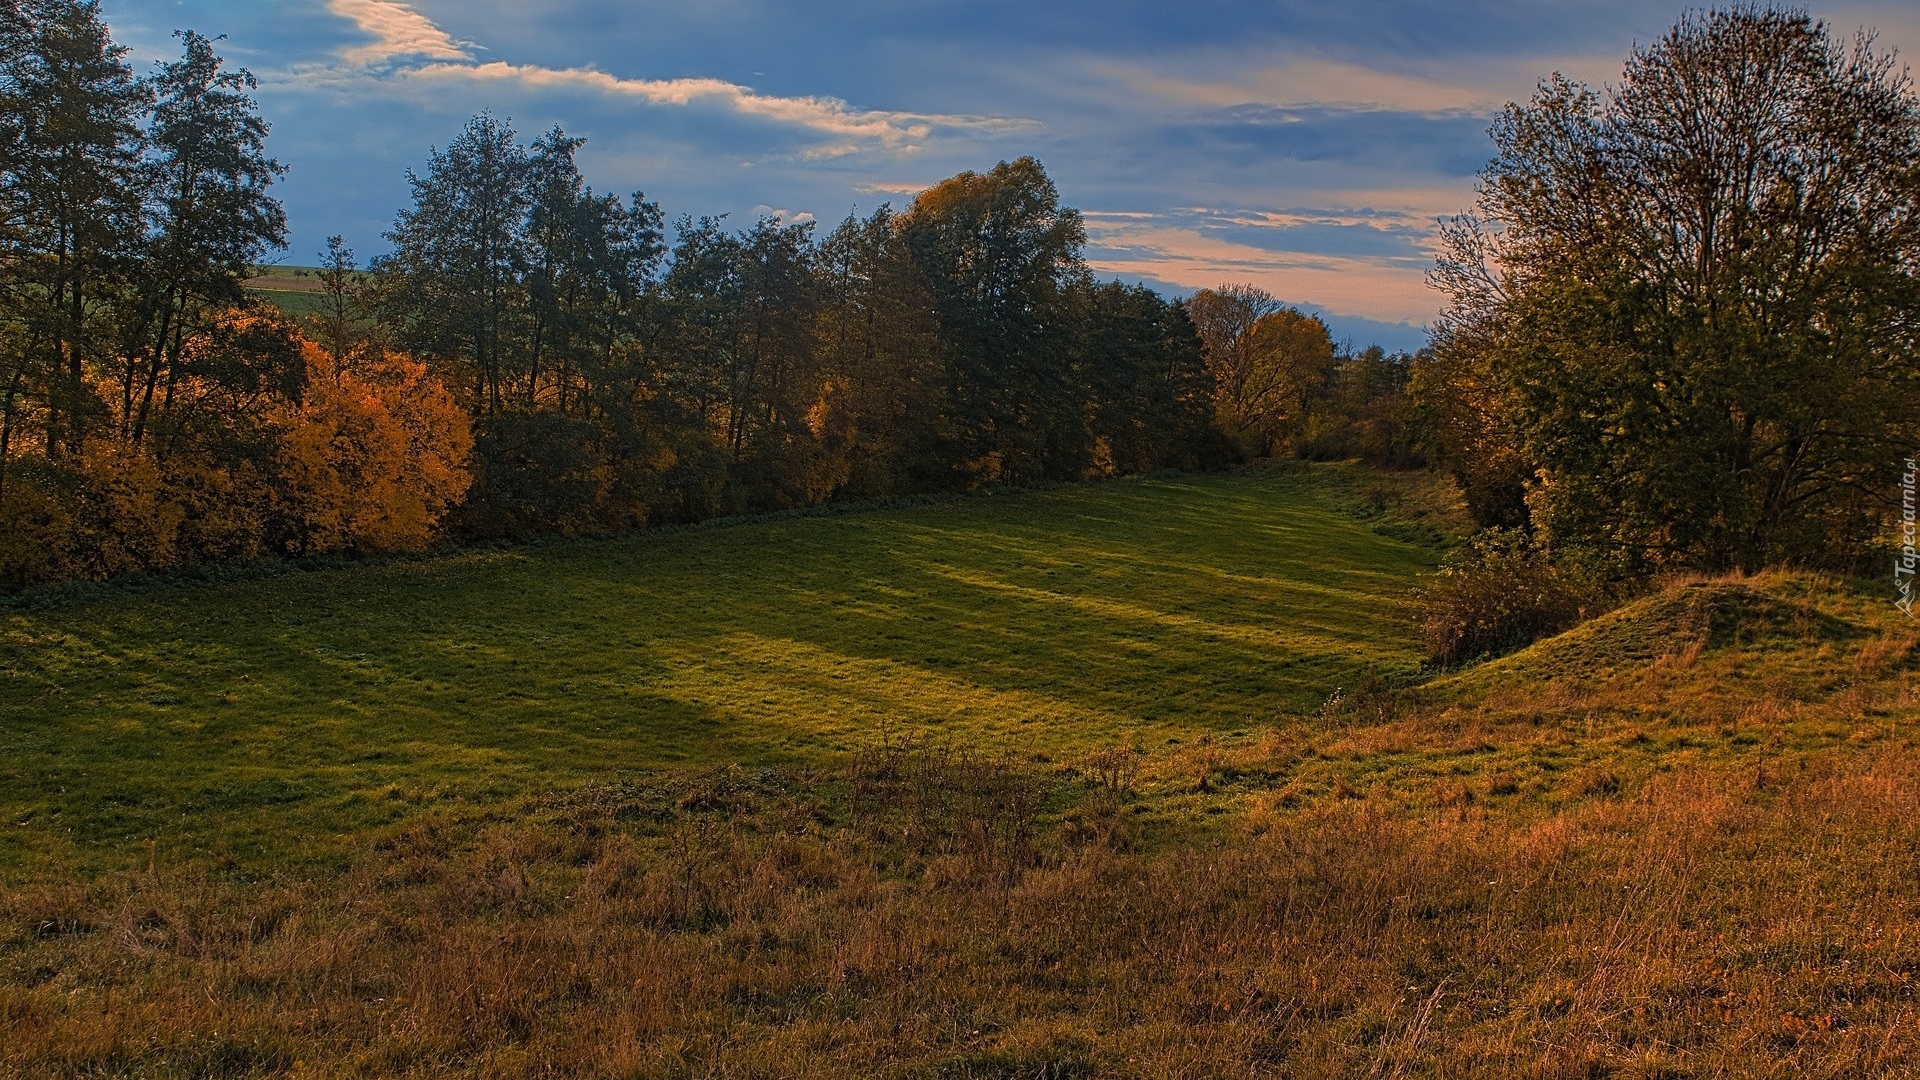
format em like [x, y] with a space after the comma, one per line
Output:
[999, 254]
[1360, 410]
[1280, 385]
[1685, 311]
[533, 357]
[1266, 360]
[1498, 594]
[615, 382]
[373, 455]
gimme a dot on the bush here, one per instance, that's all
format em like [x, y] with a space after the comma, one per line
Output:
[1502, 594]
[372, 458]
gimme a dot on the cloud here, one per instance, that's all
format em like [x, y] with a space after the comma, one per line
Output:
[788, 217]
[402, 34]
[1295, 81]
[891, 187]
[823, 114]
[1385, 288]
[398, 32]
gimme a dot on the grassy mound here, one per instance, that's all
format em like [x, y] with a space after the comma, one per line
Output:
[1779, 613]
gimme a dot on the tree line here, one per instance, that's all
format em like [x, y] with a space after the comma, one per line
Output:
[619, 373]
[1682, 332]
[533, 356]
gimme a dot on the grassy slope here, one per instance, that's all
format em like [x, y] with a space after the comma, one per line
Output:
[1675, 842]
[269, 720]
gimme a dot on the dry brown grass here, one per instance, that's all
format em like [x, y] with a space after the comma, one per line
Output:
[1699, 866]
[905, 917]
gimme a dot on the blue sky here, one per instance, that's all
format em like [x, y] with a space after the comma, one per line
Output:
[1304, 147]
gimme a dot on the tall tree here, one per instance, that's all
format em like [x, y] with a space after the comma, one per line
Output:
[452, 283]
[72, 191]
[998, 253]
[1149, 394]
[1694, 301]
[879, 351]
[773, 381]
[212, 220]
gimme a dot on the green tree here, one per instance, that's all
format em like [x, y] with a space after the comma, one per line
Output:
[452, 286]
[1361, 411]
[878, 346]
[998, 254]
[71, 185]
[337, 325]
[212, 219]
[1691, 303]
[1266, 359]
[1149, 394]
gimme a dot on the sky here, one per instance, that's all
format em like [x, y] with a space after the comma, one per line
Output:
[1308, 148]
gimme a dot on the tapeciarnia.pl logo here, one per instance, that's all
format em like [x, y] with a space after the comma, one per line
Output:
[1903, 567]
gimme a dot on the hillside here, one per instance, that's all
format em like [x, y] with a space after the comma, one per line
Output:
[272, 719]
[1676, 841]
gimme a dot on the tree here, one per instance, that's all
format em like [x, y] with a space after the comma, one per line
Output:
[1149, 392]
[1265, 358]
[590, 262]
[373, 457]
[1691, 305]
[72, 195]
[336, 324]
[998, 253]
[1361, 411]
[452, 283]
[878, 344]
[212, 219]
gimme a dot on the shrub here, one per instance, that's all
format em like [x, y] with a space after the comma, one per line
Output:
[373, 458]
[1502, 594]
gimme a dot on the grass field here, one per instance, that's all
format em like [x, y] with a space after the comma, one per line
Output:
[262, 721]
[1136, 779]
[295, 290]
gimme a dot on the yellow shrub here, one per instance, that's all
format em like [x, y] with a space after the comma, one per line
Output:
[372, 456]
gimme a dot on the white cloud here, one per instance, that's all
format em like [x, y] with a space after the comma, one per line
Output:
[824, 114]
[398, 32]
[402, 34]
[789, 217]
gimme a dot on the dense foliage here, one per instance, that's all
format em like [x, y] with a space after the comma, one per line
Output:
[150, 415]
[616, 380]
[1684, 323]
[532, 357]
[1280, 385]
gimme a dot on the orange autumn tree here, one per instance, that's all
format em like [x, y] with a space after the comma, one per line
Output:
[373, 455]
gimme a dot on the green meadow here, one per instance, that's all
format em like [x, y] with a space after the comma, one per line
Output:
[295, 290]
[268, 721]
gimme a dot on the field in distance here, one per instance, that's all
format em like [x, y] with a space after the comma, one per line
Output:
[266, 721]
[295, 290]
